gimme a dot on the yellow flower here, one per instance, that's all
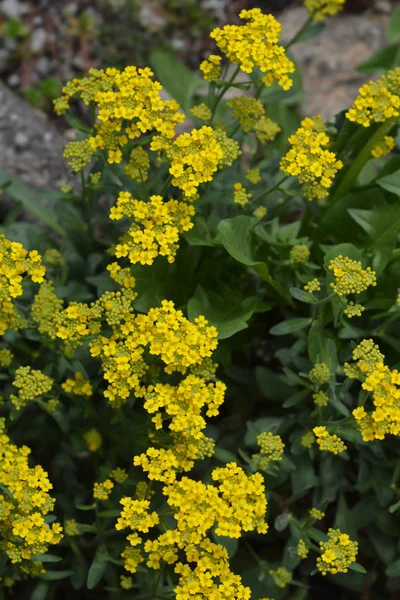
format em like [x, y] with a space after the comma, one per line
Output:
[299, 254]
[320, 374]
[6, 357]
[24, 531]
[78, 386]
[31, 384]
[102, 491]
[202, 112]
[211, 68]
[384, 147]
[327, 442]
[316, 514]
[302, 550]
[240, 195]
[354, 310]
[313, 286]
[308, 439]
[93, 440]
[378, 100]
[320, 398]
[319, 9]
[350, 277]
[337, 554]
[281, 576]
[309, 161]
[271, 450]
[253, 175]
[154, 230]
[260, 212]
[255, 44]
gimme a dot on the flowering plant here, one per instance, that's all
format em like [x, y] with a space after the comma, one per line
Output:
[200, 397]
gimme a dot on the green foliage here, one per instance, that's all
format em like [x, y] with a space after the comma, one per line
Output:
[291, 294]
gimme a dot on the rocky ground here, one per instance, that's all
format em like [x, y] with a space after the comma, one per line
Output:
[43, 43]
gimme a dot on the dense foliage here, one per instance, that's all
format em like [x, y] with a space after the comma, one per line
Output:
[199, 351]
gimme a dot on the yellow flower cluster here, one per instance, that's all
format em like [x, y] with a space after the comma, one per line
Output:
[76, 322]
[378, 100]
[354, 310]
[316, 514]
[138, 165]
[327, 442]
[45, 308]
[128, 105]
[384, 147]
[119, 475]
[320, 398]
[337, 554]
[30, 384]
[253, 175]
[350, 277]
[6, 357]
[266, 130]
[93, 440]
[260, 212]
[196, 156]
[181, 406]
[308, 159]
[308, 439]
[23, 529]
[250, 114]
[302, 550]
[320, 374]
[367, 356]
[255, 44]
[78, 386]
[71, 528]
[281, 576]
[53, 258]
[246, 110]
[126, 583]
[211, 68]
[237, 503]
[384, 384]
[202, 112]
[102, 491]
[319, 9]
[155, 227]
[271, 450]
[313, 286]
[16, 263]
[240, 195]
[299, 254]
[166, 332]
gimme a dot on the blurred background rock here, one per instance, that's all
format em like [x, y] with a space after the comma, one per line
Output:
[44, 43]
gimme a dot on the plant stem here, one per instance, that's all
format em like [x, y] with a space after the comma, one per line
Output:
[300, 32]
[165, 186]
[361, 159]
[271, 189]
[86, 207]
[224, 90]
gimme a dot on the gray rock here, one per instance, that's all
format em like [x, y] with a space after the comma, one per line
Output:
[38, 40]
[30, 147]
[13, 8]
[328, 61]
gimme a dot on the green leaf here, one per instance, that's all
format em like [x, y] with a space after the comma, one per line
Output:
[393, 31]
[381, 224]
[34, 202]
[97, 568]
[50, 558]
[381, 61]
[391, 183]
[55, 575]
[290, 326]
[357, 567]
[76, 123]
[40, 592]
[302, 295]
[393, 570]
[237, 237]
[177, 79]
[224, 312]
